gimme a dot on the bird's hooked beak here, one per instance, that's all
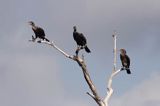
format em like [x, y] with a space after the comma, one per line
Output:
[29, 23]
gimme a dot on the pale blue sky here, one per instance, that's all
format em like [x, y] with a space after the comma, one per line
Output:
[37, 75]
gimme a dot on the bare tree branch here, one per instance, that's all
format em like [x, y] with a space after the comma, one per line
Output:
[81, 63]
[89, 82]
[54, 46]
[91, 95]
[114, 72]
[109, 88]
[115, 50]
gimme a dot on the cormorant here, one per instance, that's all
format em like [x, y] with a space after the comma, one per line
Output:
[80, 40]
[125, 60]
[39, 32]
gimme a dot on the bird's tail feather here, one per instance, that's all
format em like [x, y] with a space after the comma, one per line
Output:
[87, 49]
[46, 39]
[128, 71]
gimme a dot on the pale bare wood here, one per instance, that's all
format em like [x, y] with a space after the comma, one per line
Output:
[114, 72]
[94, 94]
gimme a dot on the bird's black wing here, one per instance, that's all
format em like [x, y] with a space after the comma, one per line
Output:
[84, 40]
[125, 60]
[128, 61]
[79, 38]
[122, 58]
[40, 31]
[75, 36]
[125, 63]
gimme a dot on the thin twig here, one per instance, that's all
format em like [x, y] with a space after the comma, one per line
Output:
[54, 46]
[91, 95]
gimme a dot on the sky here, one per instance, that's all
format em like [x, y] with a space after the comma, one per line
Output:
[34, 74]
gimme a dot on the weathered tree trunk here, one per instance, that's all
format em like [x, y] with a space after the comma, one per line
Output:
[94, 94]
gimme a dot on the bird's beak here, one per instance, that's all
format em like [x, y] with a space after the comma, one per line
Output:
[29, 23]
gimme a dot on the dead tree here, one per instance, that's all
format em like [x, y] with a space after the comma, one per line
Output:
[80, 60]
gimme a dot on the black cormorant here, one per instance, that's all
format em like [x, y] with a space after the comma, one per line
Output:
[39, 32]
[80, 40]
[125, 60]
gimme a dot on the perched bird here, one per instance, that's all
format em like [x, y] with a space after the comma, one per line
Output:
[39, 32]
[80, 40]
[125, 60]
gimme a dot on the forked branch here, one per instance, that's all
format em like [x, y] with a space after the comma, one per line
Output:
[81, 63]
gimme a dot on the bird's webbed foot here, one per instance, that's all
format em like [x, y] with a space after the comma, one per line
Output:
[77, 51]
[82, 47]
[122, 68]
[33, 38]
[39, 41]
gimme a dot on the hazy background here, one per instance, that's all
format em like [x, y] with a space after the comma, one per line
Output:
[37, 75]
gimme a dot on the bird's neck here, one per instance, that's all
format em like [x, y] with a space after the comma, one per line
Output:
[123, 54]
[34, 27]
[75, 30]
